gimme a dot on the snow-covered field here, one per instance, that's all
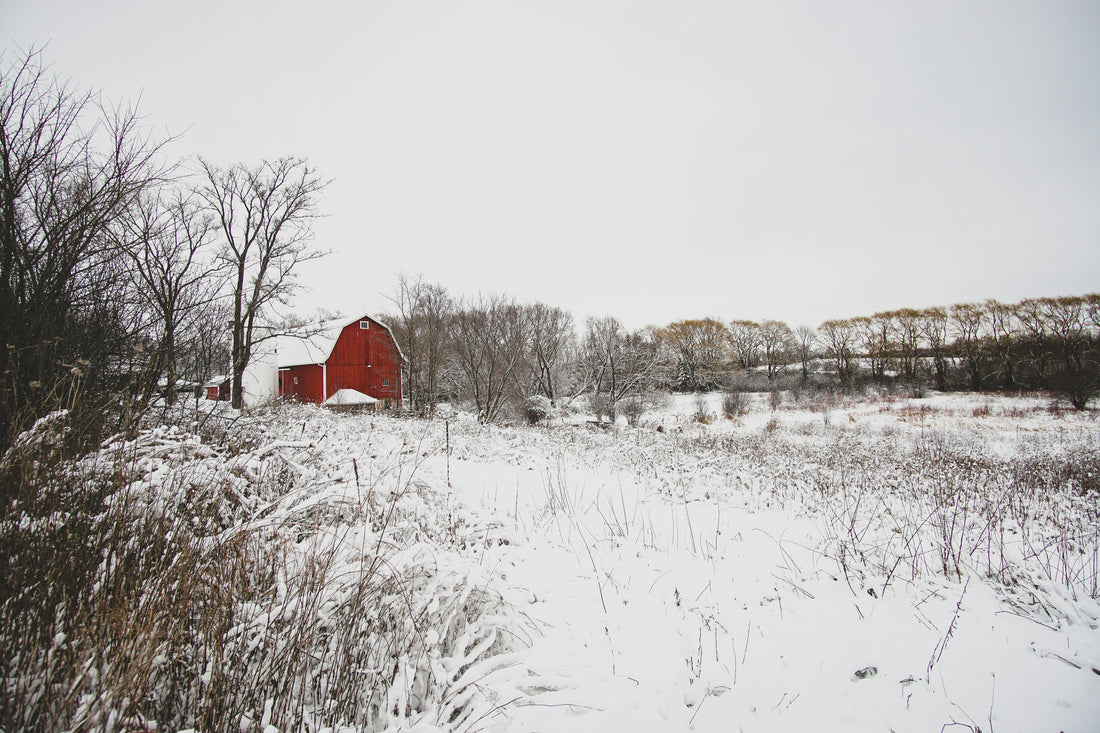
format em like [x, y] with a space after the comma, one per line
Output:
[826, 564]
[902, 566]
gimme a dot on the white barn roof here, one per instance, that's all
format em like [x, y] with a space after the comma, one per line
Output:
[313, 345]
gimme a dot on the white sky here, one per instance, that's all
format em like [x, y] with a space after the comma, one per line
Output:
[652, 160]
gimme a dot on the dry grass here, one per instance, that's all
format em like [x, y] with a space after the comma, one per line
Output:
[167, 583]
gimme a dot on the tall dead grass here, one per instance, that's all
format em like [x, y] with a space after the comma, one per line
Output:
[1029, 524]
[163, 583]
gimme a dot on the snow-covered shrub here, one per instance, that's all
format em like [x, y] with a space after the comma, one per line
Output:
[734, 404]
[702, 412]
[537, 408]
[775, 399]
[1078, 385]
[746, 380]
[601, 406]
[633, 408]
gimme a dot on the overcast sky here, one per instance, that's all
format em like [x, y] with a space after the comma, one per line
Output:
[652, 160]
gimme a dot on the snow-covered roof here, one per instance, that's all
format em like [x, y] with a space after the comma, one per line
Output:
[350, 397]
[314, 343]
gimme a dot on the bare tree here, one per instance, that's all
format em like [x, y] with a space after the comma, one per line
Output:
[489, 337]
[623, 364]
[552, 343]
[934, 323]
[421, 328]
[875, 334]
[405, 297]
[777, 344]
[1067, 321]
[840, 340]
[745, 337]
[805, 338]
[265, 214]
[1060, 334]
[1003, 329]
[435, 309]
[69, 167]
[908, 322]
[700, 349]
[1031, 316]
[1092, 309]
[168, 243]
[1078, 373]
[868, 339]
[204, 350]
[968, 321]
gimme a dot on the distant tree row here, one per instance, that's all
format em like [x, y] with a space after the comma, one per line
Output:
[121, 274]
[1038, 343]
[495, 352]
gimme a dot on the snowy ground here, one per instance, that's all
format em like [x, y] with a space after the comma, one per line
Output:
[826, 564]
[841, 565]
[678, 586]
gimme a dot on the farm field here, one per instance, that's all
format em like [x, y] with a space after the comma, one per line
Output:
[821, 563]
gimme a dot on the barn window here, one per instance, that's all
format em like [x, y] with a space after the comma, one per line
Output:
[385, 383]
[296, 380]
[364, 324]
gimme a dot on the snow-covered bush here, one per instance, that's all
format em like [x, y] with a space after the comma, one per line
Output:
[537, 408]
[633, 408]
[702, 412]
[601, 406]
[734, 404]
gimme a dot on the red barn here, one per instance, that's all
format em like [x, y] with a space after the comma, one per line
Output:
[361, 354]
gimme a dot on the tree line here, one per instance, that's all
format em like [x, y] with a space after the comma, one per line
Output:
[496, 353]
[1037, 343]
